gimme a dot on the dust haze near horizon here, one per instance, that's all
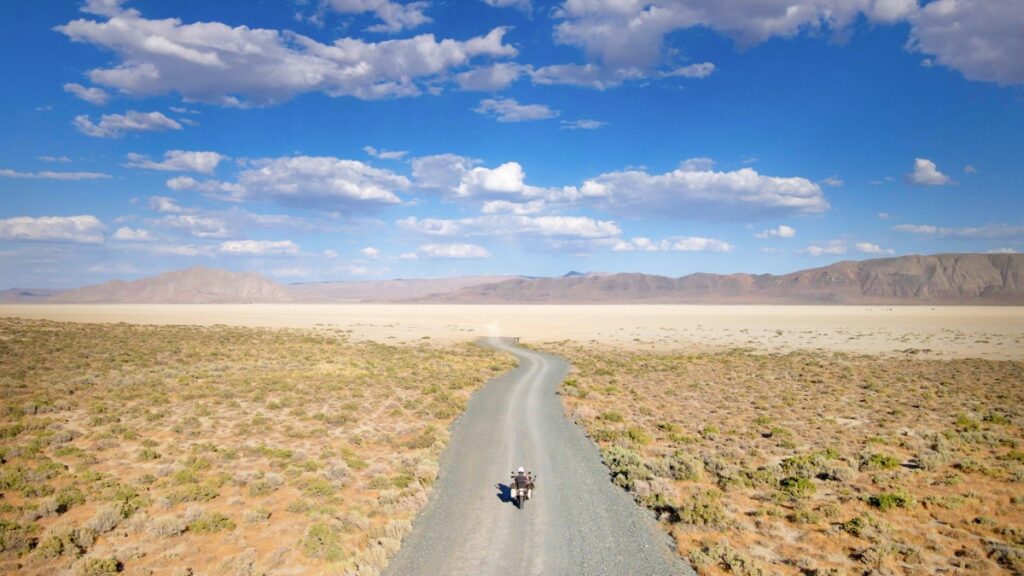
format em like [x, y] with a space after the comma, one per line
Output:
[941, 331]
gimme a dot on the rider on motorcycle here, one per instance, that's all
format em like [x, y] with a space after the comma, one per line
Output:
[524, 480]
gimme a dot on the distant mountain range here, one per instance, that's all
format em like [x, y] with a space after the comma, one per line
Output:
[936, 279]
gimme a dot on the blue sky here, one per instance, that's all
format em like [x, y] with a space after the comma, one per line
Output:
[365, 139]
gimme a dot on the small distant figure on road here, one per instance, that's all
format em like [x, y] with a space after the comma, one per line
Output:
[522, 486]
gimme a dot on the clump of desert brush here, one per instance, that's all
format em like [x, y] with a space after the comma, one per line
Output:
[197, 450]
[814, 463]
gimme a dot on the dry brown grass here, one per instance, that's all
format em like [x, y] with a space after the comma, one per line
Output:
[191, 450]
[814, 463]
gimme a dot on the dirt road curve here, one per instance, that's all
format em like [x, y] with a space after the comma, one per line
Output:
[577, 523]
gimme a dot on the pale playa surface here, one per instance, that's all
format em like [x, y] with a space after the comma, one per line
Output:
[952, 331]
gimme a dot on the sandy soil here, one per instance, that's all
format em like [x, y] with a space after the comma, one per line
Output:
[948, 332]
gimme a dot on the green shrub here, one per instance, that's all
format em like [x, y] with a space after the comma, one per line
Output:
[859, 525]
[704, 509]
[105, 519]
[64, 541]
[148, 454]
[127, 500]
[1013, 456]
[99, 567]
[626, 466]
[193, 493]
[262, 487]
[721, 554]
[678, 466]
[17, 538]
[318, 487]
[807, 465]
[425, 439]
[880, 462]
[68, 497]
[803, 516]
[966, 424]
[323, 541]
[889, 500]
[211, 522]
[611, 416]
[996, 418]
[402, 480]
[256, 515]
[798, 488]
[638, 435]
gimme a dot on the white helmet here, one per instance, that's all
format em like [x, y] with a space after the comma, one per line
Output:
[521, 470]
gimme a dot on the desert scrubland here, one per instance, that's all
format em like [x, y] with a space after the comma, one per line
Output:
[215, 450]
[813, 462]
[769, 439]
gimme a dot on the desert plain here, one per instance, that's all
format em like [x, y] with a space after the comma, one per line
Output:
[995, 332]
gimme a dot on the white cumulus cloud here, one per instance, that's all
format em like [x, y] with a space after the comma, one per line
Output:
[926, 174]
[490, 78]
[117, 125]
[982, 39]
[508, 110]
[988, 231]
[385, 154]
[579, 227]
[520, 208]
[164, 204]
[523, 5]
[453, 251]
[50, 175]
[371, 252]
[133, 235]
[672, 244]
[585, 75]
[240, 66]
[869, 248]
[441, 171]
[782, 231]
[84, 229]
[696, 190]
[394, 16]
[258, 247]
[179, 161]
[831, 248]
[93, 95]
[584, 124]
[323, 182]
[196, 225]
[700, 71]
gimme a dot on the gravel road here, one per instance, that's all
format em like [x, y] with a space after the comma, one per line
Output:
[578, 523]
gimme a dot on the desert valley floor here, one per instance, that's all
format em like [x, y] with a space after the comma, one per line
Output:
[989, 332]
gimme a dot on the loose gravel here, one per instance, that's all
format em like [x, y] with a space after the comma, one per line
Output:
[578, 523]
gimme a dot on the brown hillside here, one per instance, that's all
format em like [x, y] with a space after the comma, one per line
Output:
[197, 285]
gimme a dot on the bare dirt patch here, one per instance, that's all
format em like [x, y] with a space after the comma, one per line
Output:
[202, 450]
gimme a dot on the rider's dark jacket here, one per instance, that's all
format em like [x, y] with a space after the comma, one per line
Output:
[522, 481]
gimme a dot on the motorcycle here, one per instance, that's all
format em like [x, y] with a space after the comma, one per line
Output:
[520, 494]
